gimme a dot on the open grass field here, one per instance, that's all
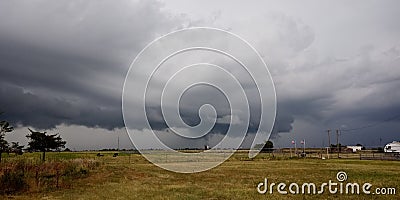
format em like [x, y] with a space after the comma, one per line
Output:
[130, 176]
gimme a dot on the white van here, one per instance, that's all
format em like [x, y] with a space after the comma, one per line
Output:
[393, 147]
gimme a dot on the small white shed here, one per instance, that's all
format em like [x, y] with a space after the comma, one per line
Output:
[355, 148]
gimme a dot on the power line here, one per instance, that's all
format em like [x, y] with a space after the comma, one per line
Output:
[370, 125]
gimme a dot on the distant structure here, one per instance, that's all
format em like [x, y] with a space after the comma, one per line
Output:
[393, 147]
[354, 149]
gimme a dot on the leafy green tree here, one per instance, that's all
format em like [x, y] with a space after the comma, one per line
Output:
[268, 147]
[4, 128]
[39, 141]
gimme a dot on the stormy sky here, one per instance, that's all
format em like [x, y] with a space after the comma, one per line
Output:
[335, 65]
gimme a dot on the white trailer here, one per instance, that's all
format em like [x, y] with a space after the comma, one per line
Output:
[393, 147]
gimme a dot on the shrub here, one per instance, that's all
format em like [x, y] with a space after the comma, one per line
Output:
[21, 175]
[12, 182]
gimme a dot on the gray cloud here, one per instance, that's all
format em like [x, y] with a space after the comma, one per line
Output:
[64, 63]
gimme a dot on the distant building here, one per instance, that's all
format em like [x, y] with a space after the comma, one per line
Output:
[354, 149]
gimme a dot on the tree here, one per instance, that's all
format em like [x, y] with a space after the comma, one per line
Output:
[39, 141]
[3, 145]
[16, 148]
[268, 146]
[4, 128]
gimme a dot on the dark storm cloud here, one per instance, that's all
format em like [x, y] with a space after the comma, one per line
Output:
[46, 112]
[65, 62]
[45, 88]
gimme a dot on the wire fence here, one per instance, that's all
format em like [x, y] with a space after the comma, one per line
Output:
[133, 157]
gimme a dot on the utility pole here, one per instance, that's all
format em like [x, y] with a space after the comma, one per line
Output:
[327, 153]
[329, 139]
[304, 147]
[118, 143]
[337, 143]
[295, 149]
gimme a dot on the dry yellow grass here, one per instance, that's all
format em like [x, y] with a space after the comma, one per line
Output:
[132, 177]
